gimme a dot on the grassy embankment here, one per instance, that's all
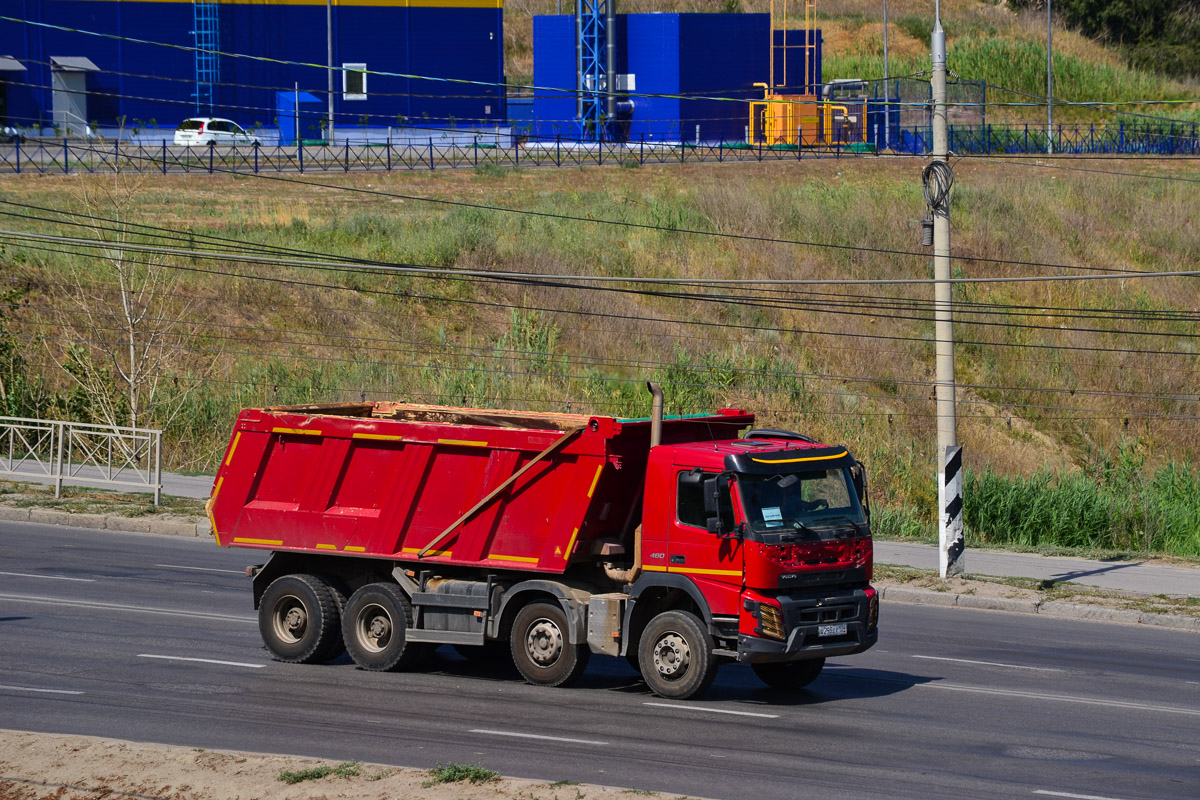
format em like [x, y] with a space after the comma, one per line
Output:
[1042, 426]
[985, 41]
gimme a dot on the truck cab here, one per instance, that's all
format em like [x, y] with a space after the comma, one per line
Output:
[772, 532]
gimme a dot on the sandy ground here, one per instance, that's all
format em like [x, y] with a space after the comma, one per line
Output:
[35, 766]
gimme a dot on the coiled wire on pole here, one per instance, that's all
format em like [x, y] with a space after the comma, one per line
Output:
[937, 180]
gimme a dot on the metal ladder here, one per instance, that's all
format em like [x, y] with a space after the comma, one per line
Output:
[206, 37]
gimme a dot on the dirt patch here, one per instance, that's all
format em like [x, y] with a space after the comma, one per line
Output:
[36, 765]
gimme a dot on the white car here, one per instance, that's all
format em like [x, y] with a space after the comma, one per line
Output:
[212, 130]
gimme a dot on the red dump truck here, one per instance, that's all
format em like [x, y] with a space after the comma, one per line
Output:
[677, 543]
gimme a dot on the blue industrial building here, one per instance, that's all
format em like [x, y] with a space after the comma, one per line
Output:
[668, 68]
[60, 81]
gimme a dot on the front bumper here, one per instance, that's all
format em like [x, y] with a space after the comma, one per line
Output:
[803, 615]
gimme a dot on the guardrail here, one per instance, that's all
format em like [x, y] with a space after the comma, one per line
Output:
[53, 451]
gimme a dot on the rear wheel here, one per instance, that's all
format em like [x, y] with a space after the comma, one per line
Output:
[298, 619]
[790, 675]
[676, 655]
[541, 648]
[374, 625]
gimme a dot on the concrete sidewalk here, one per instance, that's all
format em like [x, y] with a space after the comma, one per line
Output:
[1129, 576]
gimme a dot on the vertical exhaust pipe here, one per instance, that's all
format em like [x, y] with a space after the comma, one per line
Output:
[656, 414]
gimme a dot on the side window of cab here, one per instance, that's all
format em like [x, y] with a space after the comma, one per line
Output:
[689, 501]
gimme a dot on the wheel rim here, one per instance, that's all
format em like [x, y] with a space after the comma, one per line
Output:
[374, 628]
[543, 642]
[289, 619]
[671, 655]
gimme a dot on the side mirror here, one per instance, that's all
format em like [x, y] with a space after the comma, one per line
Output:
[859, 477]
[715, 527]
[712, 494]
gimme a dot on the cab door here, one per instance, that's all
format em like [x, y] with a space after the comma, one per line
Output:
[713, 562]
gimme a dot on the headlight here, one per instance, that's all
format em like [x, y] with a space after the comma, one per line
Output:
[770, 621]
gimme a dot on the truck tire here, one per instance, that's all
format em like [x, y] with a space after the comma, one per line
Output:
[789, 675]
[541, 648]
[676, 655]
[374, 624]
[298, 619]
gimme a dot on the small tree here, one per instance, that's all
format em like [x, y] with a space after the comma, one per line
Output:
[124, 322]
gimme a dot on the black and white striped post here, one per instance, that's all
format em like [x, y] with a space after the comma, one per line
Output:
[950, 521]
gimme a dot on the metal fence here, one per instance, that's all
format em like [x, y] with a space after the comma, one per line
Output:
[52, 451]
[67, 155]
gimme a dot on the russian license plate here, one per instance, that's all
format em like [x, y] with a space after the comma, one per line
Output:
[832, 630]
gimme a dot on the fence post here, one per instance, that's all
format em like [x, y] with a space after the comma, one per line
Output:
[1121, 145]
[558, 150]
[158, 468]
[389, 150]
[300, 152]
[477, 149]
[212, 146]
[642, 151]
[18, 155]
[347, 155]
[721, 148]
[164, 157]
[516, 152]
[256, 158]
[66, 158]
[58, 459]
[431, 152]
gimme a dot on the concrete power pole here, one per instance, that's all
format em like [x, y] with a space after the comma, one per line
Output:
[939, 179]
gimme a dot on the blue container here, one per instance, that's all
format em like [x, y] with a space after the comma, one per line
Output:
[687, 70]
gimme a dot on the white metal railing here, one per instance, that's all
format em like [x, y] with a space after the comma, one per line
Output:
[53, 451]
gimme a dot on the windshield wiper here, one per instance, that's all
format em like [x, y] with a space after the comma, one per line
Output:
[858, 526]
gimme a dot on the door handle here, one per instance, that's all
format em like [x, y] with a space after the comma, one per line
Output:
[678, 559]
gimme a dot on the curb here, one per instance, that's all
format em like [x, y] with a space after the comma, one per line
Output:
[1045, 608]
[111, 522]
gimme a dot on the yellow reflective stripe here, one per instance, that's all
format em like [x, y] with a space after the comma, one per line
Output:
[301, 431]
[233, 447]
[463, 442]
[797, 460]
[208, 509]
[654, 568]
[595, 480]
[327, 547]
[384, 437]
[522, 559]
[257, 541]
[350, 548]
[571, 544]
[431, 552]
[706, 571]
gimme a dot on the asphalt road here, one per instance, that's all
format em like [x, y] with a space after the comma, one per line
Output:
[96, 629]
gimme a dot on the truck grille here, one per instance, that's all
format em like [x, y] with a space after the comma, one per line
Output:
[822, 616]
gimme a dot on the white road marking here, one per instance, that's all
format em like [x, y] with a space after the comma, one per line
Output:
[203, 569]
[536, 736]
[1196, 683]
[203, 661]
[1066, 698]
[49, 577]
[54, 601]
[1076, 796]
[988, 663]
[712, 710]
[42, 691]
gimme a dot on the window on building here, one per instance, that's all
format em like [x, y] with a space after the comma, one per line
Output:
[354, 81]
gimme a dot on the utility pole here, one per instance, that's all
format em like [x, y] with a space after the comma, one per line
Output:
[329, 69]
[885, 53]
[939, 179]
[1049, 84]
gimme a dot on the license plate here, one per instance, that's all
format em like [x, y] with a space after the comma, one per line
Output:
[832, 630]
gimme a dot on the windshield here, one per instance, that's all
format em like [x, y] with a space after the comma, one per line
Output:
[799, 500]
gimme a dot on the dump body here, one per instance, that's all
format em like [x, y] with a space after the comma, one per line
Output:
[387, 480]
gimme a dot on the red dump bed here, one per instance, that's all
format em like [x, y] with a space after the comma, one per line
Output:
[389, 479]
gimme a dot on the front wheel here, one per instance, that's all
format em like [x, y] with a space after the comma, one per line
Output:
[676, 655]
[541, 646]
[374, 625]
[298, 619]
[789, 675]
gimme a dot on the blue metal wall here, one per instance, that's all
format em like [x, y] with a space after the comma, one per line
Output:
[439, 38]
[680, 55]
